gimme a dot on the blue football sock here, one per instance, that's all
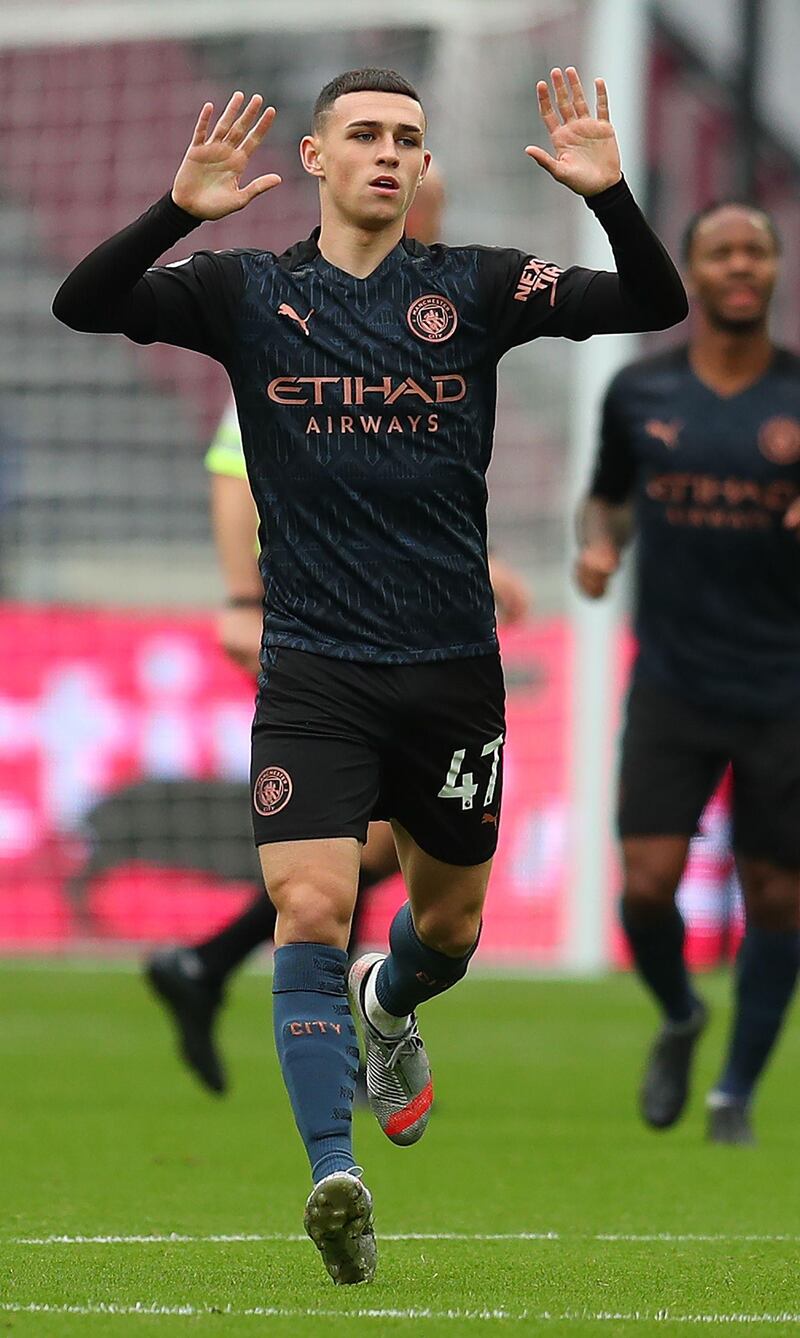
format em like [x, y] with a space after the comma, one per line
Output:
[766, 974]
[318, 1050]
[655, 935]
[413, 972]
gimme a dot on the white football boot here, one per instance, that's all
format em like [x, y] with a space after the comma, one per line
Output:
[399, 1086]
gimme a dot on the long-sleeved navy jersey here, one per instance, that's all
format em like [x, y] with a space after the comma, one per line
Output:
[367, 407]
[718, 574]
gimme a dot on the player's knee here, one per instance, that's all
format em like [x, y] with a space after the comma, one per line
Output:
[453, 934]
[648, 887]
[310, 913]
[650, 878]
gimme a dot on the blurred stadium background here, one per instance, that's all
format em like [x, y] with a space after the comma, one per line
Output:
[123, 730]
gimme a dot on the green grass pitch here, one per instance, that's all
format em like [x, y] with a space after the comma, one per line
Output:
[628, 1232]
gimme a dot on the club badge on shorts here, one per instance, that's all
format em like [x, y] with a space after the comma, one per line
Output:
[272, 791]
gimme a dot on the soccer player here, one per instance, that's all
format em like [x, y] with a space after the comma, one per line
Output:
[364, 370]
[704, 441]
[191, 981]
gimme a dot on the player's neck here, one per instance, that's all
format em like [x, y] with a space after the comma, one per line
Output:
[727, 361]
[357, 251]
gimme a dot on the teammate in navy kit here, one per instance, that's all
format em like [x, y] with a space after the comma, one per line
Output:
[704, 443]
[364, 370]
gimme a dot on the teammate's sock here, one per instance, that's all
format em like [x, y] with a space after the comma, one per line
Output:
[222, 953]
[413, 972]
[766, 975]
[318, 1050]
[655, 935]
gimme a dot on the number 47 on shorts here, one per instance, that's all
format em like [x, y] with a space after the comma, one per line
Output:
[464, 787]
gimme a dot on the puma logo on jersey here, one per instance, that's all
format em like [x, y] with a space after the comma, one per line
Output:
[285, 310]
[666, 433]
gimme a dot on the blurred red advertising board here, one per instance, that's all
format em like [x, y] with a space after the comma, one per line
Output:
[101, 708]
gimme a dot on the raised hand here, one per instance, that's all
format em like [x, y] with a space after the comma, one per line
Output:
[586, 152]
[207, 181]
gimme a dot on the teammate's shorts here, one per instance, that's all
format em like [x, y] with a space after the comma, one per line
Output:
[337, 744]
[674, 755]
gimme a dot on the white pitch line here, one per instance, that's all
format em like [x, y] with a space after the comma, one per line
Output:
[281, 1238]
[172, 1238]
[689, 1238]
[288, 1312]
[290, 1238]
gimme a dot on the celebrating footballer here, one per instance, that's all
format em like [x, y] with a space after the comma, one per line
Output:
[364, 368]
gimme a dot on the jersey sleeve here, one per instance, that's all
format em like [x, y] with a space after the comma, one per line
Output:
[225, 455]
[527, 297]
[194, 302]
[615, 465]
[119, 289]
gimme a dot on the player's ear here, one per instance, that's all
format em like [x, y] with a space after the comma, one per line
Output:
[311, 156]
[426, 162]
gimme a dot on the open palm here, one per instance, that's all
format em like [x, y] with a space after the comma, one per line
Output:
[586, 152]
[207, 181]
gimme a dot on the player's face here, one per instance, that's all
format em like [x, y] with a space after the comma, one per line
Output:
[733, 266]
[370, 156]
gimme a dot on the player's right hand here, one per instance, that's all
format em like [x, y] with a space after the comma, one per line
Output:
[207, 181]
[239, 631]
[594, 568]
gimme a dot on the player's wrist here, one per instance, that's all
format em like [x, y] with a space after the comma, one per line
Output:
[610, 194]
[183, 207]
[181, 219]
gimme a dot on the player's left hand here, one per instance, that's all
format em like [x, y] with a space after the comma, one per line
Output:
[586, 151]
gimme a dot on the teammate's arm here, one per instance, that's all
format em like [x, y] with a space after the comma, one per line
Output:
[110, 292]
[604, 520]
[603, 530]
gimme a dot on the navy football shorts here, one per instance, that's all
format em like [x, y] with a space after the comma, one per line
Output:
[674, 755]
[338, 744]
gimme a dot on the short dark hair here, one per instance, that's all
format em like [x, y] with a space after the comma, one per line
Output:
[361, 81]
[702, 214]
